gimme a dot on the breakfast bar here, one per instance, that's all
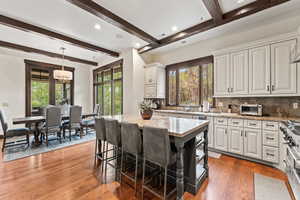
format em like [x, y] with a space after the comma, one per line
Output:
[189, 136]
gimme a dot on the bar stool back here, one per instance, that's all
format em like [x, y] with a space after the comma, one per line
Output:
[100, 137]
[131, 143]
[157, 150]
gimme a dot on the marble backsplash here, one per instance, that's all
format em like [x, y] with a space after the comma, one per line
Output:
[272, 106]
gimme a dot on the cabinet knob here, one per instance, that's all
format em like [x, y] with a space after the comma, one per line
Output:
[273, 87]
[268, 88]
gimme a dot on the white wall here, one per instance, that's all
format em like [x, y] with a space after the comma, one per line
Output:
[279, 25]
[12, 83]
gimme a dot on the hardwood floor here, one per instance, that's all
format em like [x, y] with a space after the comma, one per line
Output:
[69, 174]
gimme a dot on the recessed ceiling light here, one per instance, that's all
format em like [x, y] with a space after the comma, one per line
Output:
[97, 26]
[240, 1]
[174, 28]
[137, 45]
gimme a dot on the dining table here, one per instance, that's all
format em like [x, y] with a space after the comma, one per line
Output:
[37, 120]
[185, 134]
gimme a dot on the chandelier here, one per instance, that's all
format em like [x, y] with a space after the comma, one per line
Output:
[62, 74]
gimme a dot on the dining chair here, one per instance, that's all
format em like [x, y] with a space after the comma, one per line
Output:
[53, 123]
[157, 150]
[113, 137]
[131, 138]
[74, 122]
[10, 133]
[89, 123]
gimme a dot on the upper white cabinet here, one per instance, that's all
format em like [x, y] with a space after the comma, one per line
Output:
[259, 70]
[155, 80]
[262, 70]
[283, 73]
[239, 72]
[222, 75]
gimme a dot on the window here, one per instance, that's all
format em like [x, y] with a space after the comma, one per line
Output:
[42, 89]
[190, 83]
[108, 88]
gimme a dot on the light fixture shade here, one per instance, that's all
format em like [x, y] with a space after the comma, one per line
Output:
[63, 75]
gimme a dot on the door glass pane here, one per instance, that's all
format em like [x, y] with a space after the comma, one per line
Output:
[99, 96]
[207, 83]
[172, 87]
[117, 73]
[117, 97]
[99, 77]
[107, 75]
[62, 92]
[189, 86]
[107, 99]
[39, 90]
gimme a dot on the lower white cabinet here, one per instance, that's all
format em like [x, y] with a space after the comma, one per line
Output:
[253, 143]
[235, 140]
[220, 134]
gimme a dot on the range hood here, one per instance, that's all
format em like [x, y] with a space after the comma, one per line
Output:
[295, 54]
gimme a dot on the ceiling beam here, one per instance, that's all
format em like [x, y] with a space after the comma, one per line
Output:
[228, 17]
[43, 52]
[214, 9]
[106, 15]
[4, 20]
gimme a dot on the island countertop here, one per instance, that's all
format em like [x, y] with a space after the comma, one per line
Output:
[177, 127]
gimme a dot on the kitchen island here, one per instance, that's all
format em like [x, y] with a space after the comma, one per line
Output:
[189, 136]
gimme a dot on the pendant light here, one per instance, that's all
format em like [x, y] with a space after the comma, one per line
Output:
[62, 74]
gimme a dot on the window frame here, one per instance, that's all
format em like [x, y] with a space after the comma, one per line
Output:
[112, 81]
[29, 66]
[188, 64]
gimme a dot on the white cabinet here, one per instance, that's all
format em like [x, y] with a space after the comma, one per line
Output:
[235, 140]
[253, 143]
[259, 71]
[283, 73]
[221, 75]
[154, 81]
[220, 133]
[239, 73]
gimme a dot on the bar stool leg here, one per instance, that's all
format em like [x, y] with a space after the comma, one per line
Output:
[96, 152]
[165, 183]
[143, 179]
[121, 171]
[136, 173]
[103, 158]
[106, 160]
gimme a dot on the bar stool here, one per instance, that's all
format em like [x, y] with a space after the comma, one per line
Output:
[131, 143]
[113, 137]
[157, 150]
[100, 137]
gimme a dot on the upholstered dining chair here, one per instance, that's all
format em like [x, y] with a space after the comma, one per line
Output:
[53, 123]
[74, 122]
[10, 133]
[90, 122]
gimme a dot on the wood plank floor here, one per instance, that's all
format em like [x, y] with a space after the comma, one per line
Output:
[69, 174]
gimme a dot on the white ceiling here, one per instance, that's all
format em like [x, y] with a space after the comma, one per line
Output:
[229, 5]
[153, 16]
[156, 17]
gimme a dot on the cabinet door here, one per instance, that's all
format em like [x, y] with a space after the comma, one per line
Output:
[235, 140]
[211, 132]
[252, 143]
[220, 133]
[259, 70]
[239, 72]
[221, 75]
[283, 73]
[150, 91]
[150, 75]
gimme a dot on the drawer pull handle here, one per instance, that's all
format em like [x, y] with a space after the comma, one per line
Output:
[252, 124]
[269, 138]
[220, 121]
[235, 123]
[270, 154]
[270, 125]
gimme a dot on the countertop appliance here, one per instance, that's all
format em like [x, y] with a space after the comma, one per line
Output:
[251, 109]
[291, 154]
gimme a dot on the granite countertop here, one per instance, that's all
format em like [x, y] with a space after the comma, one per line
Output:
[178, 127]
[230, 115]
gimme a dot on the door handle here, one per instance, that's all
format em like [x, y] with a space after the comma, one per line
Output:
[241, 133]
[228, 89]
[268, 88]
[273, 87]
[231, 89]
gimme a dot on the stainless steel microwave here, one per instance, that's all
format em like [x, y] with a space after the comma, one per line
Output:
[251, 109]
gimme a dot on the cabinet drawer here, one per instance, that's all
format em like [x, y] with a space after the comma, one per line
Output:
[221, 121]
[236, 122]
[270, 138]
[271, 126]
[271, 154]
[253, 124]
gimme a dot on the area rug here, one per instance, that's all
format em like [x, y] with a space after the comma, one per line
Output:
[267, 188]
[14, 153]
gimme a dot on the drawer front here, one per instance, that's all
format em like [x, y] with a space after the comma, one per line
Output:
[271, 154]
[271, 138]
[221, 121]
[236, 122]
[253, 124]
[270, 126]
